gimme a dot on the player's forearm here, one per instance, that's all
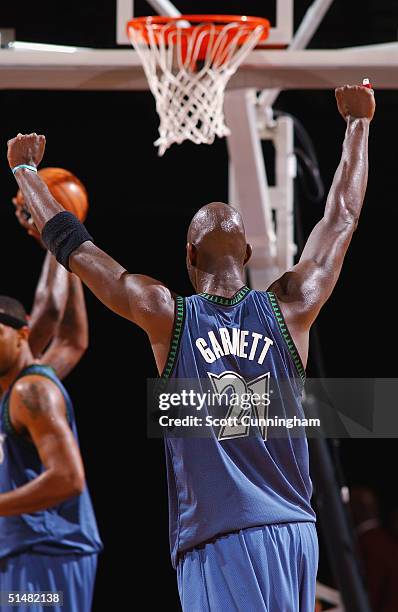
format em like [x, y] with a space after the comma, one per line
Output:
[49, 304]
[71, 339]
[74, 324]
[348, 190]
[104, 276]
[41, 204]
[45, 491]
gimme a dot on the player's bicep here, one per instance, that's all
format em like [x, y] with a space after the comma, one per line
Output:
[136, 297]
[39, 411]
[328, 243]
[307, 286]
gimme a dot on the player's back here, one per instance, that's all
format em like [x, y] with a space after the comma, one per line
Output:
[233, 475]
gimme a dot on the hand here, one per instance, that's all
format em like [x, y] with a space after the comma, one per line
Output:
[26, 149]
[355, 101]
[25, 219]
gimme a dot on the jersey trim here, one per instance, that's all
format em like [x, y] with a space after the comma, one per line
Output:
[8, 426]
[179, 318]
[286, 335]
[235, 299]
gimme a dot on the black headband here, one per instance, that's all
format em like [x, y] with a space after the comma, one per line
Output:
[11, 321]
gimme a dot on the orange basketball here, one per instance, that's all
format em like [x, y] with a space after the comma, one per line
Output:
[67, 190]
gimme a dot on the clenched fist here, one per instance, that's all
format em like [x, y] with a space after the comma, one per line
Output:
[355, 101]
[26, 149]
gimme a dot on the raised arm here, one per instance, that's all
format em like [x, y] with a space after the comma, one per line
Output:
[303, 290]
[49, 304]
[51, 291]
[139, 298]
[37, 410]
[70, 340]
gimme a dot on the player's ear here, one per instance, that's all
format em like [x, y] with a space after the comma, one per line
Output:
[23, 333]
[249, 251]
[191, 253]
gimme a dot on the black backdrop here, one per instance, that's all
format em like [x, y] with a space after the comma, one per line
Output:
[140, 209]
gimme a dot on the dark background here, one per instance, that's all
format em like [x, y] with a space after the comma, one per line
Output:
[140, 209]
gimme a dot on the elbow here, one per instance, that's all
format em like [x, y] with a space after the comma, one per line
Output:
[346, 217]
[83, 345]
[351, 220]
[350, 212]
[77, 487]
[70, 483]
[79, 340]
[350, 209]
[74, 484]
[48, 314]
[79, 348]
[52, 312]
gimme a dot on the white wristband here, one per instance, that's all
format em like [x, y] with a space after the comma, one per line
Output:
[32, 168]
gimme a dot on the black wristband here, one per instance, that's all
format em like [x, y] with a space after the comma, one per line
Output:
[62, 235]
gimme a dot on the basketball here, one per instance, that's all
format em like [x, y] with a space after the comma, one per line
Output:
[66, 189]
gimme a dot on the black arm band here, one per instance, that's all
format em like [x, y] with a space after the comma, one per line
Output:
[62, 235]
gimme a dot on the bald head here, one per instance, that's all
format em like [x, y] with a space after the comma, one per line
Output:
[217, 241]
[217, 229]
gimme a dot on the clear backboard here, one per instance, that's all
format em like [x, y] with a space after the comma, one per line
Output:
[278, 12]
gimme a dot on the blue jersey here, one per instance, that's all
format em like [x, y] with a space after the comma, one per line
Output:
[238, 476]
[68, 528]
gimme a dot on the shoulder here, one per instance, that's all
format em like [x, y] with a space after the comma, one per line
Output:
[151, 290]
[146, 292]
[289, 287]
[36, 395]
[153, 305]
[162, 297]
[294, 296]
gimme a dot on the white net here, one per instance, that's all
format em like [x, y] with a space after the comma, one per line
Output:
[188, 74]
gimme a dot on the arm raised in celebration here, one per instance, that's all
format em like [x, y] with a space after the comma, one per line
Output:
[139, 298]
[303, 290]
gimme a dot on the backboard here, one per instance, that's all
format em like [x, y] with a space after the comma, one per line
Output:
[278, 12]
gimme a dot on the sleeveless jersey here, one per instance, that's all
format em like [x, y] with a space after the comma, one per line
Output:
[68, 528]
[237, 476]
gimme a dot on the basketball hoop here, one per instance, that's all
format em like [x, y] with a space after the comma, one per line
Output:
[188, 61]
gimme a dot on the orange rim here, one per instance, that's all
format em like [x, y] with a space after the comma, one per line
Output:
[157, 22]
